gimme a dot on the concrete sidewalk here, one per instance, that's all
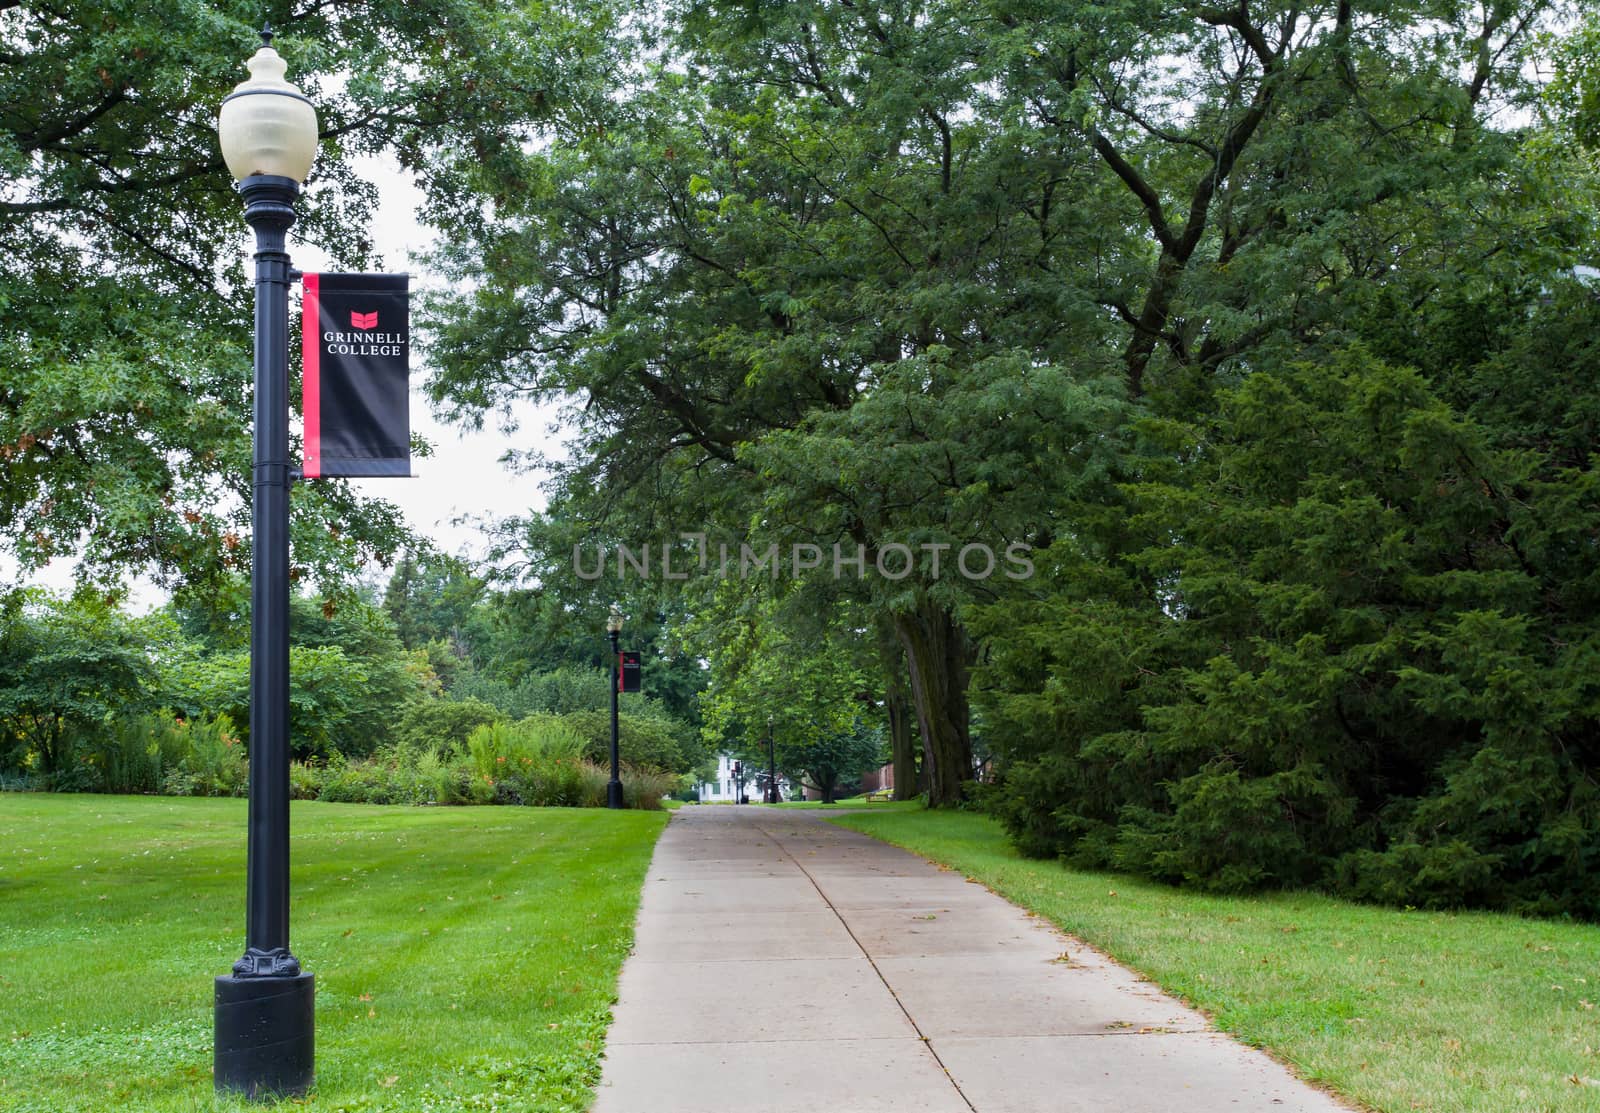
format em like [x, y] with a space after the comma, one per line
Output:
[785, 965]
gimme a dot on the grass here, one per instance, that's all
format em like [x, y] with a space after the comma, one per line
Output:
[466, 959]
[1398, 1010]
[857, 802]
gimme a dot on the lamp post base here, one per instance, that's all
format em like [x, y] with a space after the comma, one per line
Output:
[614, 794]
[265, 1034]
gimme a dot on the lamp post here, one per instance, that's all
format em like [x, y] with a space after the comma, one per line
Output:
[614, 785]
[772, 765]
[264, 1018]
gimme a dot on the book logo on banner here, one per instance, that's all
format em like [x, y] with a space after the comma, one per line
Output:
[357, 378]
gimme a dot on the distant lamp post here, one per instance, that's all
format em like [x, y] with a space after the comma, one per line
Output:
[772, 766]
[264, 1014]
[614, 785]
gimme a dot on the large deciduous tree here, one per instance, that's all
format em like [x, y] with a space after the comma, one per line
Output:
[125, 325]
[66, 667]
[739, 266]
[920, 271]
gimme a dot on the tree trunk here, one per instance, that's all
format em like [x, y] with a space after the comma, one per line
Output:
[938, 654]
[902, 743]
[910, 774]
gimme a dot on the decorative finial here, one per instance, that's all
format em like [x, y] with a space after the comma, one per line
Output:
[266, 33]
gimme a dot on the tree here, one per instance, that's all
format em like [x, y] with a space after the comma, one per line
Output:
[124, 411]
[432, 597]
[829, 760]
[817, 215]
[808, 283]
[67, 665]
[1365, 671]
[351, 680]
[897, 707]
[809, 687]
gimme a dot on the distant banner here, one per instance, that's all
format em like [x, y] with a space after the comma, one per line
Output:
[628, 673]
[356, 339]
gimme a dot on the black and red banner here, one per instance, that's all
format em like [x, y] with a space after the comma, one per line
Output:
[356, 338]
[628, 671]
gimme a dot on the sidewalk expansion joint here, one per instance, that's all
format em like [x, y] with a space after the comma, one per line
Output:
[772, 1039]
[911, 1020]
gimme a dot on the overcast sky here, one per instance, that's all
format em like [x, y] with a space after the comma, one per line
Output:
[463, 476]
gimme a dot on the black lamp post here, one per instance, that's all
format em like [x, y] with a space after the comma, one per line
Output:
[264, 1018]
[614, 785]
[772, 765]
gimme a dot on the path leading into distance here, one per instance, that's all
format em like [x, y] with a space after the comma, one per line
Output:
[785, 965]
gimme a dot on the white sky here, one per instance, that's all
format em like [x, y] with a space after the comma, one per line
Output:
[463, 477]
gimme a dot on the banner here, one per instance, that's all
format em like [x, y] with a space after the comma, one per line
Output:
[356, 342]
[628, 673]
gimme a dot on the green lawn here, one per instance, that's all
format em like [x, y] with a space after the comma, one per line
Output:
[1399, 1010]
[466, 958]
[855, 802]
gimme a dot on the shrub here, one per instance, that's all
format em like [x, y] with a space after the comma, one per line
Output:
[528, 762]
[213, 763]
[644, 742]
[135, 754]
[444, 722]
[363, 782]
[645, 788]
[439, 776]
[536, 762]
[538, 738]
[305, 781]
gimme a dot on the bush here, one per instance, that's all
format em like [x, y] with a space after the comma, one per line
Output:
[444, 722]
[135, 754]
[644, 742]
[536, 738]
[541, 762]
[305, 781]
[1352, 651]
[441, 776]
[552, 693]
[396, 776]
[646, 788]
[213, 762]
[535, 761]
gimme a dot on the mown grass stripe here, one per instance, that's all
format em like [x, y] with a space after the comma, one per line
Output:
[466, 958]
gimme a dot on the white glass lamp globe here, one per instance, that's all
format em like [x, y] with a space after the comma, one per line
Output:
[267, 126]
